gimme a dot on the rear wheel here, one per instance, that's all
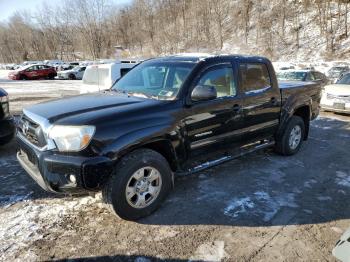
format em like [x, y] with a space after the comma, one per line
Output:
[292, 137]
[72, 77]
[51, 76]
[139, 184]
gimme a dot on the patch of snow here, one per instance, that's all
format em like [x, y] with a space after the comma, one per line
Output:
[164, 233]
[324, 198]
[307, 211]
[342, 179]
[309, 183]
[238, 206]
[260, 204]
[211, 251]
[142, 259]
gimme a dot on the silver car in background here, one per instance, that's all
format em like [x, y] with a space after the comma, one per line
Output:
[336, 97]
[73, 74]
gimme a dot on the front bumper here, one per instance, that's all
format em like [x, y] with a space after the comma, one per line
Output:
[13, 77]
[59, 76]
[338, 105]
[7, 129]
[336, 110]
[53, 171]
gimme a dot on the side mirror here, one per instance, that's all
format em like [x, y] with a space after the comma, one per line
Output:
[203, 93]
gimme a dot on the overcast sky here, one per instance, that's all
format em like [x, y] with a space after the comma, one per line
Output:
[8, 7]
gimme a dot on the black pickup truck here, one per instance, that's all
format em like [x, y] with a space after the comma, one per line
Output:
[7, 127]
[168, 116]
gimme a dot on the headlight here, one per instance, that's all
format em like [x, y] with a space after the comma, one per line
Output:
[71, 138]
[4, 99]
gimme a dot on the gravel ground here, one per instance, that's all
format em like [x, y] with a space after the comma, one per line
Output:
[261, 207]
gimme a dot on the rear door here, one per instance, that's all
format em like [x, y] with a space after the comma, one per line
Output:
[262, 100]
[42, 71]
[215, 123]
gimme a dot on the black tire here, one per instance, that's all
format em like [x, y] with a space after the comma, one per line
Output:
[23, 77]
[5, 140]
[51, 76]
[283, 146]
[72, 77]
[114, 192]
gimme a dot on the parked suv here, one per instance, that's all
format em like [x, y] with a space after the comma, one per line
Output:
[7, 128]
[167, 116]
[33, 72]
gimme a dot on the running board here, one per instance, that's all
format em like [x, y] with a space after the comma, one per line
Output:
[209, 164]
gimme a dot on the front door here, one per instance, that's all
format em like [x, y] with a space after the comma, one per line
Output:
[215, 123]
[32, 72]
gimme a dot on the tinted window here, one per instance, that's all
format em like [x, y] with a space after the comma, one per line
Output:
[254, 77]
[221, 79]
[123, 71]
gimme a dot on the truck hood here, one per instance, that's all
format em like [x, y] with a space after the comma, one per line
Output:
[89, 103]
[338, 89]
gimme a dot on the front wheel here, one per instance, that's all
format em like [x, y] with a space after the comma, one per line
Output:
[139, 184]
[290, 141]
[71, 77]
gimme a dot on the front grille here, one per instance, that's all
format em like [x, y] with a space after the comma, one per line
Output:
[31, 131]
[344, 99]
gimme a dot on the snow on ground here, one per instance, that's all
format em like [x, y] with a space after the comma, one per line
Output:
[21, 87]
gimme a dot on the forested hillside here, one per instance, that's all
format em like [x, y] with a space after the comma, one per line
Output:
[89, 29]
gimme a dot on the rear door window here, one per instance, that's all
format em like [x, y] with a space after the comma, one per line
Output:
[254, 77]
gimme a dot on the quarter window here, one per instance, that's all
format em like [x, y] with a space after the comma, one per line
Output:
[254, 77]
[220, 78]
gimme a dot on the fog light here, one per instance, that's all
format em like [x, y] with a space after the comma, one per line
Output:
[72, 178]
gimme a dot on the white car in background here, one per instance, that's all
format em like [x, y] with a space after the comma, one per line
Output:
[336, 97]
[102, 76]
[73, 74]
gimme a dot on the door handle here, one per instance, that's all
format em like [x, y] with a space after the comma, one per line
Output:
[236, 108]
[274, 101]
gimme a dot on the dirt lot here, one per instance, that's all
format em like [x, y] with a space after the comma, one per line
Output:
[261, 207]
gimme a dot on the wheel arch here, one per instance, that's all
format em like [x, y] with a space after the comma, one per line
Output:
[301, 109]
[305, 113]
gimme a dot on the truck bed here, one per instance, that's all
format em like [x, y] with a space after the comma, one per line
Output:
[292, 91]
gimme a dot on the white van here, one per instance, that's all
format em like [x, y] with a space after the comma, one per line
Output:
[101, 76]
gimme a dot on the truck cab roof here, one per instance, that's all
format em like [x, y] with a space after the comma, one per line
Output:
[198, 57]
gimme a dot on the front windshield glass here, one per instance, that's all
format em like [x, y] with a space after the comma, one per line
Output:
[345, 80]
[294, 76]
[158, 80]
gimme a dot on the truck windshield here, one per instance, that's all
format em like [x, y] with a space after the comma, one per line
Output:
[158, 80]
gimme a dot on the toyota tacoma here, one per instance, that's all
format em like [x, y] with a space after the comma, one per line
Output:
[168, 116]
